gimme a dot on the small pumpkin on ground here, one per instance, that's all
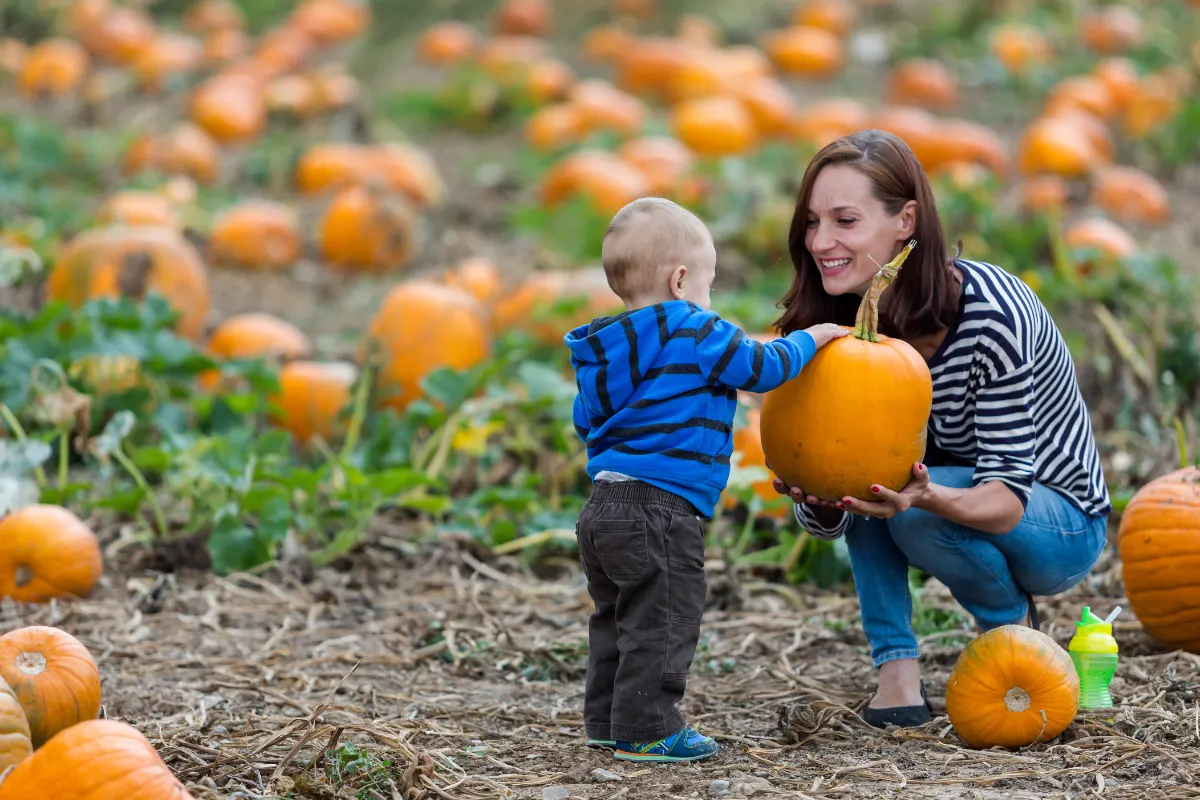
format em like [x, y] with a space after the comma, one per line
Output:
[422, 326]
[15, 745]
[1011, 687]
[97, 758]
[47, 552]
[365, 228]
[53, 67]
[134, 207]
[814, 432]
[312, 396]
[253, 335]
[257, 234]
[478, 276]
[1159, 543]
[132, 262]
[53, 676]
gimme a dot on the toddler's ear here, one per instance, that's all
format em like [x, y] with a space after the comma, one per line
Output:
[678, 276]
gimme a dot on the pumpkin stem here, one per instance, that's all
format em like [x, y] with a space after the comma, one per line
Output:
[31, 663]
[866, 325]
[24, 575]
[1017, 700]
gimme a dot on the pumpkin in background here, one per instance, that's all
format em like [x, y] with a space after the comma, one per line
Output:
[715, 126]
[312, 396]
[134, 207]
[1011, 687]
[15, 745]
[97, 759]
[52, 67]
[531, 305]
[253, 335]
[331, 21]
[604, 178]
[805, 50]
[231, 108]
[1129, 193]
[814, 431]
[408, 169]
[364, 228]
[747, 441]
[256, 234]
[422, 326]
[446, 42]
[53, 676]
[478, 276]
[331, 165]
[184, 150]
[212, 16]
[1112, 242]
[47, 552]
[1159, 543]
[132, 262]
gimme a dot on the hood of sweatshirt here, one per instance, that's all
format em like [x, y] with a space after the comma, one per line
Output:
[624, 346]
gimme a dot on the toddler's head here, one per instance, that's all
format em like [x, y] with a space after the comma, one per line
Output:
[656, 250]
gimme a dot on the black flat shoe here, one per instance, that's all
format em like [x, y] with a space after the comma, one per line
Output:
[900, 716]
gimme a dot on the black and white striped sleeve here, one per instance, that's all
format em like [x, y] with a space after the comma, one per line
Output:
[808, 520]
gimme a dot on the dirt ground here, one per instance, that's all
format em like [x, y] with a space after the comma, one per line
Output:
[466, 672]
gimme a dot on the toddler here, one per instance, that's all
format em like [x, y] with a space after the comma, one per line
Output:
[657, 390]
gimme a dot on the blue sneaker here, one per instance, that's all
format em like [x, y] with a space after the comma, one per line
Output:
[603, 743]
[683, 745]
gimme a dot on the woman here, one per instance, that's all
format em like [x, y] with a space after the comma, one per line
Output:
[1011, 499]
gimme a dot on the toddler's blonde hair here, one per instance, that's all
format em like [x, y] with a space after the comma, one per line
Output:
[644, 237]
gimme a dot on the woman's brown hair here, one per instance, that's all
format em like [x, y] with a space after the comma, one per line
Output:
[924, 297]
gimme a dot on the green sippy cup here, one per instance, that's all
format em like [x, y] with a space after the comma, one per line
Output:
[1094, 651]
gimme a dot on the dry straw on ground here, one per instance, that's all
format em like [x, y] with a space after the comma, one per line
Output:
[467, 677]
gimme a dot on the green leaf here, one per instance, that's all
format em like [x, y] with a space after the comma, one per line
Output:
[448, 387]
[126, 501]
[234, 547]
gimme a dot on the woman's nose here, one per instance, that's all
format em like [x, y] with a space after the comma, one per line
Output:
[820, 241]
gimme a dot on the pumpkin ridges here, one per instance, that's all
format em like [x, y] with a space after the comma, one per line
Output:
[43, 697]
[15, 745]
[96, 760]
[987, 671]
[47, 539]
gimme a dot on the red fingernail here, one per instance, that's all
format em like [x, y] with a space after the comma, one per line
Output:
[875, 489]
[841, 506]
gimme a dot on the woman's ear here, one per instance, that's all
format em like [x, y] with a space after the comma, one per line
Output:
[908, 220]
[678, 276]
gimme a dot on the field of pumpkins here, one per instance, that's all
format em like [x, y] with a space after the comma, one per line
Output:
[288, 477]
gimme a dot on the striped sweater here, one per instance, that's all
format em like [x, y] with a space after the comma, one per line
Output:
[1006, 400]
[657, 392]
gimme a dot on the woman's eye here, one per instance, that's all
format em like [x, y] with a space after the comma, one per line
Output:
[846, 221]
[810, 223]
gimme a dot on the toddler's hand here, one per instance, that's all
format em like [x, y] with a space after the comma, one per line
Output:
[826, 332]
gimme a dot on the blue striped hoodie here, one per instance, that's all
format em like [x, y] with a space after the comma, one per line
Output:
[658, 390]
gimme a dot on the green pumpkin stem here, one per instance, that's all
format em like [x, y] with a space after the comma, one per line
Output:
[866, 324]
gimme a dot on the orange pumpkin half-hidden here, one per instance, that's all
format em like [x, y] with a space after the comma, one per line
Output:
[46, 552]
[98, 758]
[53, 676]
[814, 432]
[15, 746]
[1159, 542]
[1011, 687]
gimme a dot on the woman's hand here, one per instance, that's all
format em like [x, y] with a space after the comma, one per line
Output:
[797, 494]
[891, 503]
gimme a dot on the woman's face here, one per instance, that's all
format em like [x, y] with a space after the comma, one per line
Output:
[847, 227]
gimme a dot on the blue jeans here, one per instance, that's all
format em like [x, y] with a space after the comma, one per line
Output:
[991, 575]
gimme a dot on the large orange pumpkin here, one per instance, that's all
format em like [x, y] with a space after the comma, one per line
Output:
[15, 746]
[53, 676]
[46, 552]
[95, 760]
[1159, 542]
[132, 262]
[422, 326]
[533, 305]
[1011, 687]
[814, 432]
